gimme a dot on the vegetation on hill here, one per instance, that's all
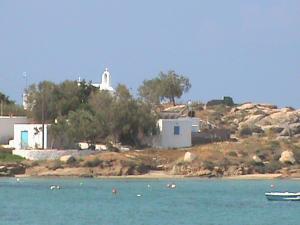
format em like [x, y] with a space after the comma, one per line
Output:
[80, 112]
[165, 86]
[9, 107]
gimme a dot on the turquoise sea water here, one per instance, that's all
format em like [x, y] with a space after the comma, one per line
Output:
[90, 201]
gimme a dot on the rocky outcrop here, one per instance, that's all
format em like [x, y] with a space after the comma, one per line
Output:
[10, 170]
[67, 159]
[266, 118]
[287, 157]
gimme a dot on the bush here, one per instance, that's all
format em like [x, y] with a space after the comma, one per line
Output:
[273, 166]
[225, 163]
[93, 163]
[142, 168]
[274, 145]
[208, 165]
[232, 154]
[8, 157]
[245, 131]
[54, 165]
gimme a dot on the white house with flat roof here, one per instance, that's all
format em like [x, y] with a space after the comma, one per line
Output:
[173, 133]
[30, 136]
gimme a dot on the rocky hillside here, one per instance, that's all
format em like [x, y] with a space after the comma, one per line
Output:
[256, 119]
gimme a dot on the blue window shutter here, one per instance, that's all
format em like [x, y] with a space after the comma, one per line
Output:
[176, 130]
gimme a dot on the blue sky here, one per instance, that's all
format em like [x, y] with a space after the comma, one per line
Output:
[249, 50]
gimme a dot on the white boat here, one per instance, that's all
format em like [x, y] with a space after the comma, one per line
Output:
[283, 196]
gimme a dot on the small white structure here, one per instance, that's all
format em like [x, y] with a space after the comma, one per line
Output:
[30, 136]
[24, 103]
[105, 82]
[7, 127]
[174, 133]
[195, 124]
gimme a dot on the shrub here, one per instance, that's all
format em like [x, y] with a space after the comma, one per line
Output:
[54, 165]
[273, 166]
[245, 131]
[232, 154]
[93, 162]
[274, 145]
[8, 157]
[225, 163]
[142, 168]
[208, 165]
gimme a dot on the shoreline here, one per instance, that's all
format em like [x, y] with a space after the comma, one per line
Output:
[167, 176]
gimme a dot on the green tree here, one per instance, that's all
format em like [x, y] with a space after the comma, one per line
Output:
[130, 117]
[5, 99]
[9, 107]
[40, 101]
[166, 86]
[53, 100]
[101, 105]
[59, 134]
[83, 126]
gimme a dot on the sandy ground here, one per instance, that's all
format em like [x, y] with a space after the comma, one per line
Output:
[155, 175]
[255, 177]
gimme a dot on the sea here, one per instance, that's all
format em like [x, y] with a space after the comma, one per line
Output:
[28, 201]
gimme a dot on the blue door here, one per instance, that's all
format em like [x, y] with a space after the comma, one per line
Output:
[24, 139]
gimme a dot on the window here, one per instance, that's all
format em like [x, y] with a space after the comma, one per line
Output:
[176, 130]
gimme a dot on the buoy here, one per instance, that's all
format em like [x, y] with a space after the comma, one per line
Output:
[18, 180]
[81, 183]
[149, 186]
[114, 191]
[53, 187]
[173, 186]
[168, 185]
[272, 186]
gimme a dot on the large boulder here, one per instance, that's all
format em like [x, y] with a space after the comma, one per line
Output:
[189, 157]
[280, 118]
[67, 159]
[272, 128]
[251, 120]
[246, 106]
[287, 157]
[291, 130]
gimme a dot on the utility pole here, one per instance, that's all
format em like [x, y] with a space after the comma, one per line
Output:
[43, 122]
[1, 107]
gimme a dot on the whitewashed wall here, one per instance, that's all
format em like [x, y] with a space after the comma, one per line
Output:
[7, 127]
[34, 140]
[167, 138]
[50, 154]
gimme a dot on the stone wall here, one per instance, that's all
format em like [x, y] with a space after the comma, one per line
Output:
[50, 154]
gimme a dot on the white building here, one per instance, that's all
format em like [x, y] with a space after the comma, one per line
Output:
[173, 133]
[30, 136]
[7, 127]
[105, 82]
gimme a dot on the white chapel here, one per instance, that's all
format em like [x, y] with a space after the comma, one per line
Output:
[105, 82]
